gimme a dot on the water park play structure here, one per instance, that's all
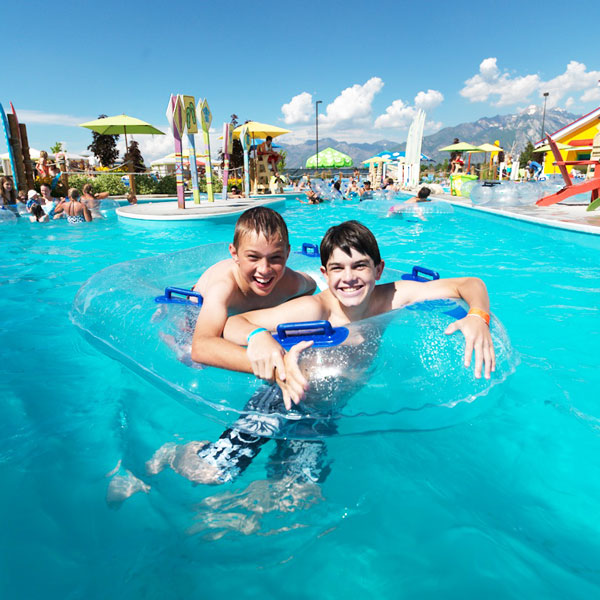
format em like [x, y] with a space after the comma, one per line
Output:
[570, 189]
[151, 333]
[15, 135]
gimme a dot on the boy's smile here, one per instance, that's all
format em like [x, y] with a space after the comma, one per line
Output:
[261, 262]
[351, 279]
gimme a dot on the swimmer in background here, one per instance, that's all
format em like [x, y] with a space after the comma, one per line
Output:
[132, 198]
[312, 197]
[422, 196]
[235, 192]
[92, 201]
[365, 192]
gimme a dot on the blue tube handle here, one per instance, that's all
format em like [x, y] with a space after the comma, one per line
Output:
[416, 270]
[309, 249]
[308, 327]
[186, 293]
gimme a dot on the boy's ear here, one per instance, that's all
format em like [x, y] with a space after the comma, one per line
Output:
[379, 270]
[233, 252]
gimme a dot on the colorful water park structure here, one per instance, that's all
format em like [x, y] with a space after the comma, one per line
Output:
[575, 141]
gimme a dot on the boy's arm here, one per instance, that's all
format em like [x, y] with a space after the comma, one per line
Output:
[208, 347]
[263, 352]
[476, 331]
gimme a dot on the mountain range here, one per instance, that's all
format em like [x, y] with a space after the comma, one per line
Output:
[513, 131]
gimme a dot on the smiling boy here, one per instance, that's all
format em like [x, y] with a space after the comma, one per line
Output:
[254, 277]
[352, 265]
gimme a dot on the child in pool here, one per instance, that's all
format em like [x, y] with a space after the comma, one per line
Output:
[352, 265]
[254, 277]
[422, 196]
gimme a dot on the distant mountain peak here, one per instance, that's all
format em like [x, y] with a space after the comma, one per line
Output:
[513, 131]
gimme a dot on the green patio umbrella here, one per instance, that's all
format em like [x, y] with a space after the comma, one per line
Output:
[122, 124]
[329, 158]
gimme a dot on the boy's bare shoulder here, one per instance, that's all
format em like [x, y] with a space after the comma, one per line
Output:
[217, 278]
[298, 283]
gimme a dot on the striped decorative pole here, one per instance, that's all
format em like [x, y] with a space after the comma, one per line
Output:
[205, 121]
[227, 149]
[175, 116]
[191, 125]
[246, 145]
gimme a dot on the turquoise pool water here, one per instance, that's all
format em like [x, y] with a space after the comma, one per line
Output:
[503, 505]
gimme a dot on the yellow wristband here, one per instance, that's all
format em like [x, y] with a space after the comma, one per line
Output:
[481, 314]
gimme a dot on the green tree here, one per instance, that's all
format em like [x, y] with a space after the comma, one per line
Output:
[526, 155]
[282, 161]
[133, 158]
[236, 158]
[57, 147]
[104, 147]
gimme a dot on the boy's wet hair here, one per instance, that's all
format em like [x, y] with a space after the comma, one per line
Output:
[348, 236]
[424, 192]
[260, 220]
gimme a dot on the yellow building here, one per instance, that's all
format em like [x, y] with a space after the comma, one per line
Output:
[578, 134]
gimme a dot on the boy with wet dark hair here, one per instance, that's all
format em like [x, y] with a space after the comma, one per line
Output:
[422, 196]
[352, 265]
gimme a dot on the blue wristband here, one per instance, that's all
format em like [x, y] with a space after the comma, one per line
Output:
[257, 330]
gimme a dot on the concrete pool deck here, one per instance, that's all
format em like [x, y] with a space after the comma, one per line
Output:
[573, 217]
[168, 210]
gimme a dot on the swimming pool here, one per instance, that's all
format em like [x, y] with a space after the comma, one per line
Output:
[503, 505]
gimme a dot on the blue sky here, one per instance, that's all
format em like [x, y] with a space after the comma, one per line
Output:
[370, 63]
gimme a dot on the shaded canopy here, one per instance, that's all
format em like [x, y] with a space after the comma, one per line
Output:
[260, 130]
[121, 124]
[329, 158]
[461, 147]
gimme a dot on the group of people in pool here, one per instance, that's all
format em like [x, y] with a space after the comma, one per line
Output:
[42, 207]
[246, 296]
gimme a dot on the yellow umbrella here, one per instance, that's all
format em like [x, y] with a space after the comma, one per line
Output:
[260, 130]
[560, 145]
[375, 159]
[489, 148]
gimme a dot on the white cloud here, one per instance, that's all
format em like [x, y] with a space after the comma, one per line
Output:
[349, 117]
[591, 95]
[428, 100]
[43, 118]
[575, 79]
[491, 82]
[432, 126]
[569, 102]
[156, 146]
[298, 110]
[398, 114]
[353, 105]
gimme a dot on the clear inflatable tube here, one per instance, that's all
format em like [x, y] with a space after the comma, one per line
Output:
[396, 371]
[7, 216]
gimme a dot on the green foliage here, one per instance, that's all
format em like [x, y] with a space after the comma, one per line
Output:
[166, 185]
[78, 181]
[526, 155]
[282, 161]
[133, 158]
[104, 147]
[57, 147]
[146, 184]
